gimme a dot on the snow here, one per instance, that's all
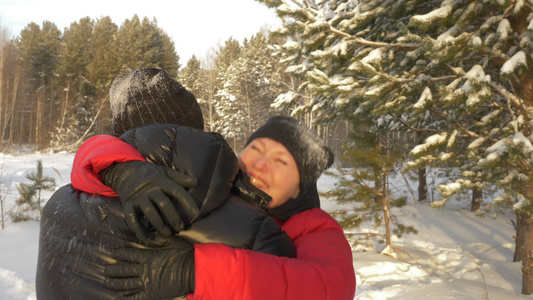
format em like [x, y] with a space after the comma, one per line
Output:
[425, 97]
[283, 99]
[437, 14]
[501, 147]
[504, 28]
[455, 255]
[373, 57]
[449, 35]
[519, 59]
[476, 41]
[477, 73]
[430, 141]
[341, 49]
[530, 26]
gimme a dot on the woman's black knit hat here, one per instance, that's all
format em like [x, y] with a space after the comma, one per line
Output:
[149, 95]
[312, 157]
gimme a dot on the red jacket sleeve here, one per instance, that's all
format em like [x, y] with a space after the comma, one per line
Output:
[97, 154]
[323, 268]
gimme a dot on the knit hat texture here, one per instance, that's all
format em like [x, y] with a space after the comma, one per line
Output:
[149, 95]
[312, 158]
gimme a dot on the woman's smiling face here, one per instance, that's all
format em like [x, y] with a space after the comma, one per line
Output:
[272, 169]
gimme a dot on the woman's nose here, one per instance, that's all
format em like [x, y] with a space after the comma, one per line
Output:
[262, 162]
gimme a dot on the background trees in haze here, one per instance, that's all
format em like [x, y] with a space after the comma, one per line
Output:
[54, 85]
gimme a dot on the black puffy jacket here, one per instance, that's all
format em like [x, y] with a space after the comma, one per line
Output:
[78, 230]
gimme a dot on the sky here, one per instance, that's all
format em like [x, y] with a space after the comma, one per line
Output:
[455, 255]
[195, 26]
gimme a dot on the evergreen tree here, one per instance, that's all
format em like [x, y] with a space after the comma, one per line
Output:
[191, 77]
[165, 56]
[135, 45]
[261, 80]
[38, 53]
[61, 97]
[9, 81]
[196, 80]
[226, 116]
[248, 86]
[368, 184]
[457, 71]
[143, 45]
[103, 67]
[229, 107]
[30, 193]
[75, 95]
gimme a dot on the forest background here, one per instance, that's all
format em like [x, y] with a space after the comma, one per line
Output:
[396, 87]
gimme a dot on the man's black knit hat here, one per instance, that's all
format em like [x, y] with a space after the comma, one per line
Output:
[312, 157]
[149, 95]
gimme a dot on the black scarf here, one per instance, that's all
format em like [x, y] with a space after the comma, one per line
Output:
[307, 199]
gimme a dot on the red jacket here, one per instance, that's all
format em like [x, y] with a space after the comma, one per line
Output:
[323, 268]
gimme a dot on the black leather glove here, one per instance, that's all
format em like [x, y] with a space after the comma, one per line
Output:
[152, 195]
[156, 273]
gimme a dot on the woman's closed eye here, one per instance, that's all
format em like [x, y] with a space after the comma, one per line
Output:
[281, 160]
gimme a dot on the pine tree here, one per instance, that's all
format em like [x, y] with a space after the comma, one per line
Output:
[197, 80]
[228, 89]
[457, 72]
[75, 95]
[165, 55]
[103, 67]
[64, 80]
[373, 156]
[9, 81]
[31, 193]
[191, 77]
[248, 85]
[143, 44]
[38, 53]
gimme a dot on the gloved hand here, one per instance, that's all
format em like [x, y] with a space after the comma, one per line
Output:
[152, 193]
[156, 273]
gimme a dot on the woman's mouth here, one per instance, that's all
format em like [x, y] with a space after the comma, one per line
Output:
[258, 182]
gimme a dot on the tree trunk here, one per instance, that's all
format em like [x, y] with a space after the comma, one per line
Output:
[521, 225]
[524, 240]
[527, 255]
[520, 238]
[386, 214]
[378, 183]
[477, 199]
[10, 115]
[2, 215]
[39, 117]
[2, 92]
[422, 185]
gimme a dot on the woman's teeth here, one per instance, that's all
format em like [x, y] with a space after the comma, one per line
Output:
[257, 182]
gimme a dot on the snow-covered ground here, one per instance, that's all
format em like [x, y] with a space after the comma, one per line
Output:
[455, 255]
